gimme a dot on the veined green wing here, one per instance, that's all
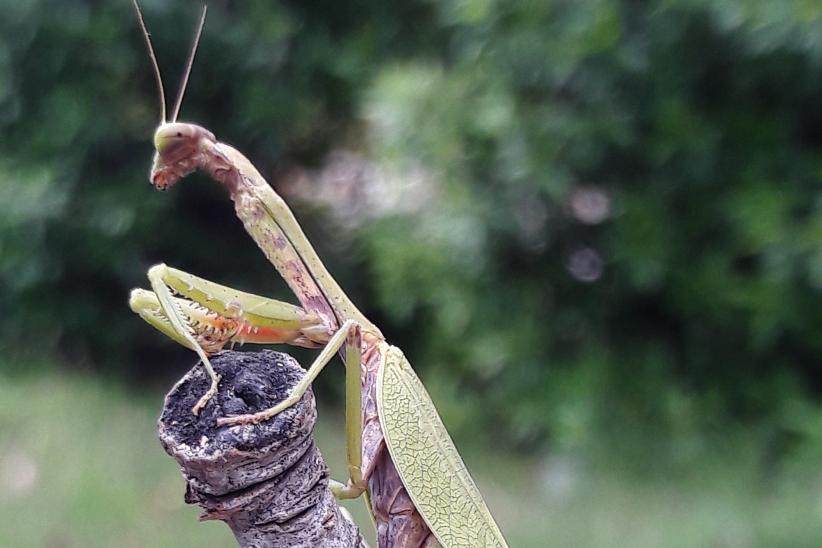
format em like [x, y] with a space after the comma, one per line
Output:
[427, 461]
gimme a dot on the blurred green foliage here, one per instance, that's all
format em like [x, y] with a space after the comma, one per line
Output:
[609, 210]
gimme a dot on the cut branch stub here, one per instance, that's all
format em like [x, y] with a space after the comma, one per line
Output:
[267, 481]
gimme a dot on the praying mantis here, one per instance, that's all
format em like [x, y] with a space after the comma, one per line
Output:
[400, 456]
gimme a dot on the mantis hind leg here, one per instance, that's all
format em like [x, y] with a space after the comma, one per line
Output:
[353, 420]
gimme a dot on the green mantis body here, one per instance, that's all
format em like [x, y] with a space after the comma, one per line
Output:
[399, 452]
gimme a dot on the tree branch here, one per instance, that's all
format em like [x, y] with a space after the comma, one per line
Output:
[267, 481]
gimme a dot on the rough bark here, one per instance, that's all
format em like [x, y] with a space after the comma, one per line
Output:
[267, 481]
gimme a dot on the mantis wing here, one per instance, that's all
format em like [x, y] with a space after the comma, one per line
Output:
[427, 461]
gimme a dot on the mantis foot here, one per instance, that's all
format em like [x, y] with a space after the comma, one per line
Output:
[207, 396]
[345, 491]
[254, 418]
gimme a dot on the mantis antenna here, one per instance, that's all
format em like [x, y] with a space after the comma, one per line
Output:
[154, 63]
[156, 66]
[189, 64]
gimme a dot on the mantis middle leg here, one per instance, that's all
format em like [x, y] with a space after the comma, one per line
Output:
[348, 335]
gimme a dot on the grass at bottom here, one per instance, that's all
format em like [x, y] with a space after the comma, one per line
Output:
[80, 465]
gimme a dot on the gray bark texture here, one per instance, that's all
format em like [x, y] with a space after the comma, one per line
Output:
[267, 481]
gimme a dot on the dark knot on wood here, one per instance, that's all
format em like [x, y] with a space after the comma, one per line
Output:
[267, 481]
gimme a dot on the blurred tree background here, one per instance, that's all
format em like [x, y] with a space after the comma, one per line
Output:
[594, 226]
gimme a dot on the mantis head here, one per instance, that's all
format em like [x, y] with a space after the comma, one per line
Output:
[179, 146]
